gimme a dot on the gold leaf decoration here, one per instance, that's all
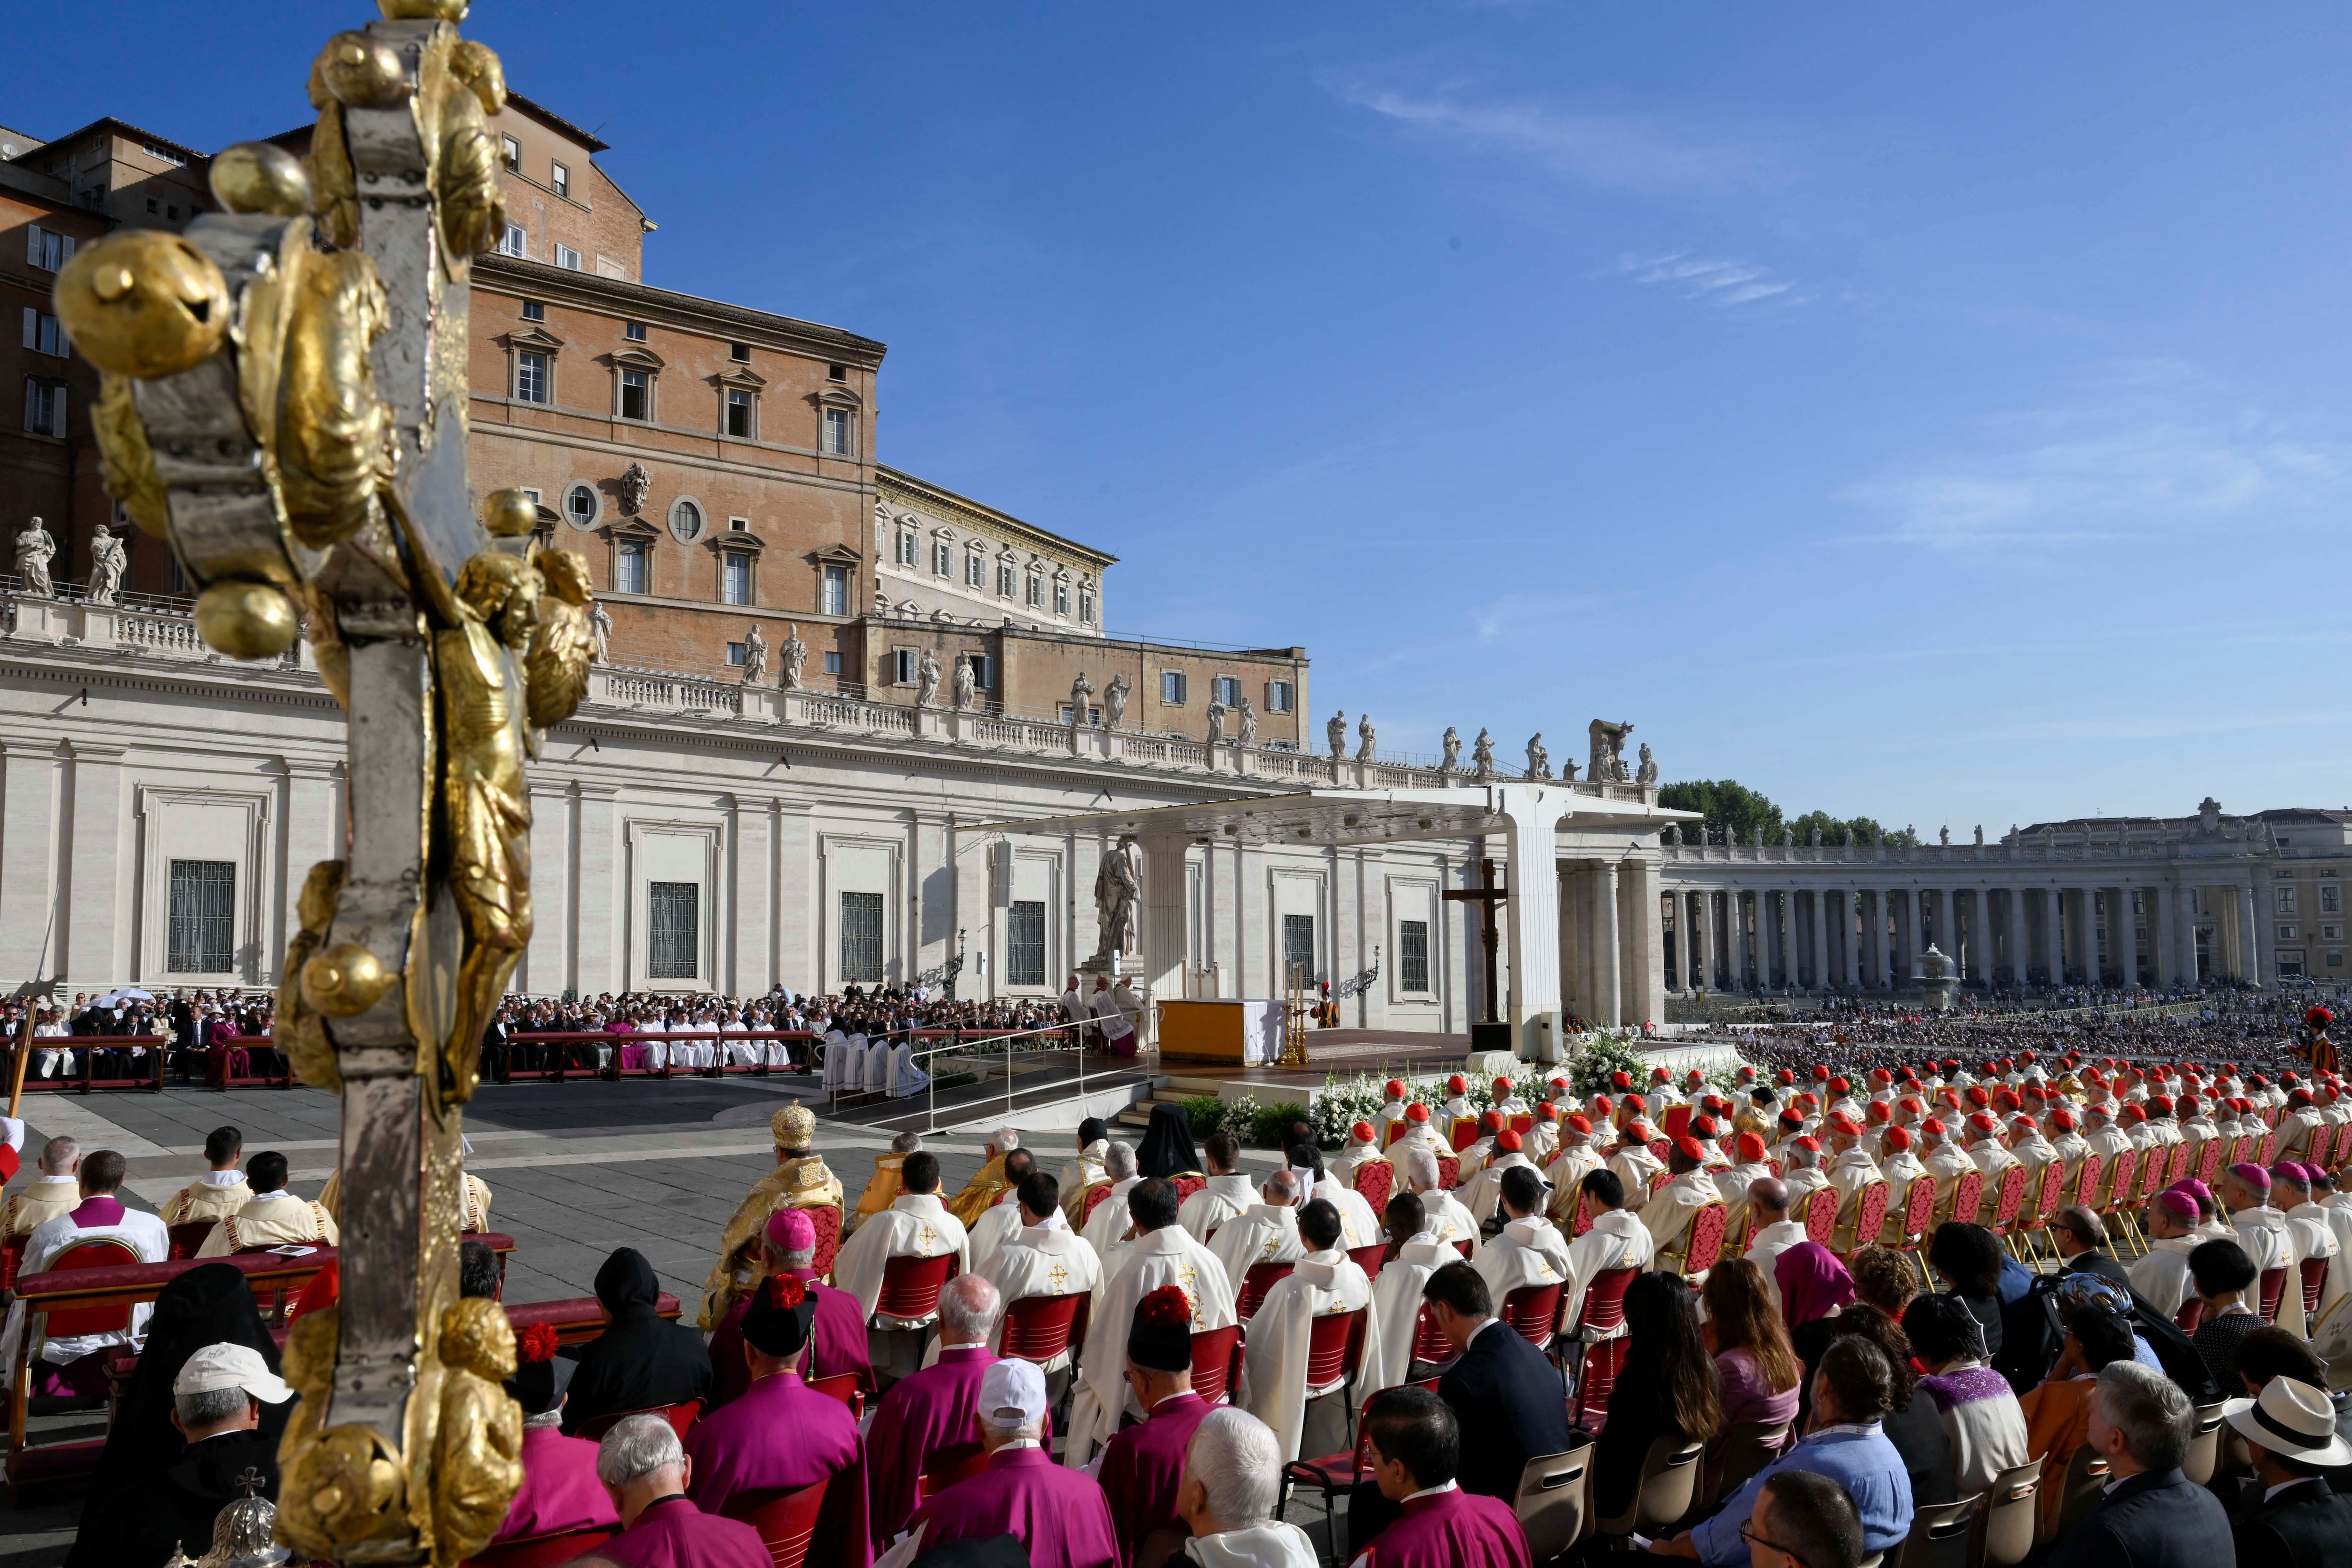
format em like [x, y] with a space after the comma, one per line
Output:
[300, 1031]
[124, 458]
[334, 434]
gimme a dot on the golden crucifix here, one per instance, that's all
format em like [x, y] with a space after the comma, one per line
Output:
[285, 402]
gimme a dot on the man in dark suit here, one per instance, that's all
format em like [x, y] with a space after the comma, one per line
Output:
[2301, 1519]
[2081, 1238]
[1505, 1395]
[2152, 1516]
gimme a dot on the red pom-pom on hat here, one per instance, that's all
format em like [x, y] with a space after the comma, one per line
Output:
[1166, 1307]
[785, 1291]
[537, 1343]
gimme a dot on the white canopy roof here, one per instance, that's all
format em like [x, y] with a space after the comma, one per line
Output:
[1363, 816]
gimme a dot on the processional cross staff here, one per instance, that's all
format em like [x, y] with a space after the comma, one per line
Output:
[1486, 895]
[285, 402]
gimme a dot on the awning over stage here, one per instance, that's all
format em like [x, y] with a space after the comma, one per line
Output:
[1368, 816]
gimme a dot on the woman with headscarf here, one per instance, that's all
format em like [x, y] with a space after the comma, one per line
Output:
[1166, 1149]
[211, 1305]
[1667, 1388]
[640, 1362]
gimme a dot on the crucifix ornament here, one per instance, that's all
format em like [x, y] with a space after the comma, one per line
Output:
[285, 403]
[1486, 897]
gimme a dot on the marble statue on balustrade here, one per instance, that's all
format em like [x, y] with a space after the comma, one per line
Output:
[966, 684]
[1943, 835]
[106, 564]
[927, 680]
[635, 487]
[1538, 760]
[1674, 833]
[1814, 838]
[1369, 737]
[1114, 700]
[1248, 722]
[1787, 834]
[1082, 692]
[755, 655]
[1216, 722]
[1608, 765]
[1119, 888]
[35, 549]
[599, 631]
[1336, 732]
[1452, 745]
[1482, 758]
[793, 656]
[1647, 773]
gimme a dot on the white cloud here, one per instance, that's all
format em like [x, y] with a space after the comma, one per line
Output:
[2136, 451]
[1714, 279]
[1602, 150]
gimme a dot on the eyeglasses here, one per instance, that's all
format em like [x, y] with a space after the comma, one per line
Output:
[1749, 1535]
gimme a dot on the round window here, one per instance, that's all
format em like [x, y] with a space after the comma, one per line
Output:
[582, 506]
[685, 521]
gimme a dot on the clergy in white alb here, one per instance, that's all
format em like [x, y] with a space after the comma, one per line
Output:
[1618, 1239]
[1001, 1221]
[1093, 1138]
[1482, 1192]
[2267, 1238]
[1634, 1162]
[1264, 1232]
[1396, 1299]
[272, 1216]
[1324, 1282]
[1529, 1251]
[1044, 1258]
[100, 1216]
[2162, 1275]
[1361, 1150]
[1569, 1163]
[1358, 1226]
[1226, 1193]
[1447, 1219]
[2313, 1237]
[916, 1225]
[1734, 1183]
[1107, 1223]
[1772, 1231]
[1668, 1214]
[1162, 1254]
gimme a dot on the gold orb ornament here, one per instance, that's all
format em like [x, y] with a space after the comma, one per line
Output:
[246, 620]
[345, 980]
[423, 10]
[509, 514]
[363, 72]
[143, 303]
[260, 177]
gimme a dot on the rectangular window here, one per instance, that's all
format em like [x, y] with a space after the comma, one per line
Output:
[1061, 598]
[833, 663]
[1004, 579]
[906, 664]
[629, 570]
[902, 548]
[163, 155]
[2287, 934]
[1172, 689]
[836, 432]
[975, 570]
[1086, 606]
[1226, 689]
[1093, 716]
[202, 919]
[674, 946]
[2331, 934]
[1025, 932]
[2286, 901]
[1299, 946]
[534, 310]
[42, 335]
[513, 151]
[2331, 900]
[47, 249]
[1036, 592]
[834, 598]
[636, 395]
[861, 938]
[983, 671]
[740, 352]
[561, 178]
[516, 243]
[531, 377]
[736, 579]
[1277, 696]
[737, 654]
[634, 332]
[45, 408]
[942, 559]
[739, 414]
[1412, 955]
[567, 258]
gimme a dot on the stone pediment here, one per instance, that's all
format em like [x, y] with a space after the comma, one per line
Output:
[538, 338]
[633, 528]
[835, 395]
[741, 376]
[636, 359]
[835, 555]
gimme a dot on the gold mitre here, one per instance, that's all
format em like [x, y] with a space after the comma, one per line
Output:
[794, 1127]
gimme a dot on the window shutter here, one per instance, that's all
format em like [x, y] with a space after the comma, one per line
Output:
[32, 405]
[57, 412]
[70, 247]
[33, 244]
[32, 328]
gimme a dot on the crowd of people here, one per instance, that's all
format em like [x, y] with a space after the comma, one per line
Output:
[198, 1035]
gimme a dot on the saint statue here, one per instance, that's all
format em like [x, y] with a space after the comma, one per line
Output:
[1673, 832]
[1980, 835]
[793, 655]
[1538, 760]
[106, 564]
[1608, 765]
[1114, 700]
[1216, 723]
[966, 684]
[1568, 768]
[1117, 890]
[1452, 745]
[1787, 834]
[927, 680]
[755, 656]
[1368, 735]
[1648, 772]
[1943, 836]
[1082, 692]
[1482, 756]
[1336, 733]
[600, 629]
[34, 550]
[1249, 723]
[1814, 837]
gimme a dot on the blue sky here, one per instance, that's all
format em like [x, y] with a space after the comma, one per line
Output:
[1939, 415]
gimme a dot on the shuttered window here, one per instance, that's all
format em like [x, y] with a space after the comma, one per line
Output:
[202, 919]
[674, 910]
[1024, 964]
[1299, 946]
[1412, 955]
[861, 938]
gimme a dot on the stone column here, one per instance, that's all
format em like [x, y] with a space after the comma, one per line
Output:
[2127, 926]
[2184, 934]
[1903, 936]
[1767, 932]
[1640, 935]
[1735, 944]
[1531, 815]
[1703, 933]
[2160, 946]
[2253, 919]
[598, 874]
[1164, 923]
[93, 917]
[2085, 943]
[1608, 991]
[1821, 940]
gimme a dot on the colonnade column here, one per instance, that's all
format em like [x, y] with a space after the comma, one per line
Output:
[1641, 940]
[1531, 914]
[1735, 932]
[1768, 936]
[1821, 940]
[2160, 946]
[2184, 933]
[2127, 922]
[1609, 969]
[1707, 940]
[1903, 936]
[2257, 936]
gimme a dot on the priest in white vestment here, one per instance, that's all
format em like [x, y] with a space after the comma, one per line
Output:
[2162, 1275]
[1358, 1226]
[1273, 1369]
[1480, 1194]
[1618, 1239]
[2268, 1239]
[1045, 1258]
[1774, 1230]
[1361, 1151]
[1226, 1193]
[916, 1225]
[1392, 1112]
[1107, 1223]
[1569, 1164]
[1163, 1254]
[1446, 1218]
[1002, 1222]
[1529, 1251]
[1421, 1131]
[1667, 1216]
[1396, 1295]
[1734, 1182]
[1093, 1138]
[2313, 1237]
[1634, 1162]
[100, 1216]
[1264, 1232]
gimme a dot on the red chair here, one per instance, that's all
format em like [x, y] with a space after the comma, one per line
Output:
[2209, 1161]
[1186, 1185]
[1464, 1134]
[1967, 1196]
[1583, 1221]
[2274, 1287]
[1821, 1216]
[187, 1240]
[1533, 1312]
[542, 1551]
[2151, 1173]
[2268, 1155]
[1430, 1345]
[2119, 1176]
[1216, 1362]
[2242, 1150]
[2086, 1182]
[1449, 1172]
[1661, 1147]
[1335, 1348]
[910, 1290]
[1869, 1215]
[827, 1221]
[2183, 1154]
[1370, 1258]
[946, 1466]
[841, 1385]
[1375, 1182]
[1092, 1201]
[1334, 1475]
[2192, 1314]
[12, 1257]
[1044, 1329]
[1604, 1312]
[69, 1322]
[681, 1418]
[1256, 1280]
[1919, 1209]
[1522, 1124]
[2323, 1137]
[1703, 1243]
[2314, 1283]
[786, 1520]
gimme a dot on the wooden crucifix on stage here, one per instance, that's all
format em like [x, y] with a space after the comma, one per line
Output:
[1492, 1034]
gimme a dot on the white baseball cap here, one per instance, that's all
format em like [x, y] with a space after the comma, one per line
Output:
[218, 1366]
[1010, 1389]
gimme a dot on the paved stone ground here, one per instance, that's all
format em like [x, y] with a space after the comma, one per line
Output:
[575, 1170]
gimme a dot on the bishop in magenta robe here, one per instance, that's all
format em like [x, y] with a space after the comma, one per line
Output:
[1446, 1527]
[837, 1344]
[560, 1491]
[1144, 1465]
[673, 1533]
[1058, 1515]
[931, 1410]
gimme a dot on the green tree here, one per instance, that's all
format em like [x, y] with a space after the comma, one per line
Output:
[1725, 802]
[1865, 830]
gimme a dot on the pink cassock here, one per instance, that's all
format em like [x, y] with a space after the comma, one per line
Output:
[674, 1533]
[560, 1490]
[1058, 1514]
[1143, 1467]
[780, 1437]
[933, 1409]
[840, 1346]
[1452, 1530]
